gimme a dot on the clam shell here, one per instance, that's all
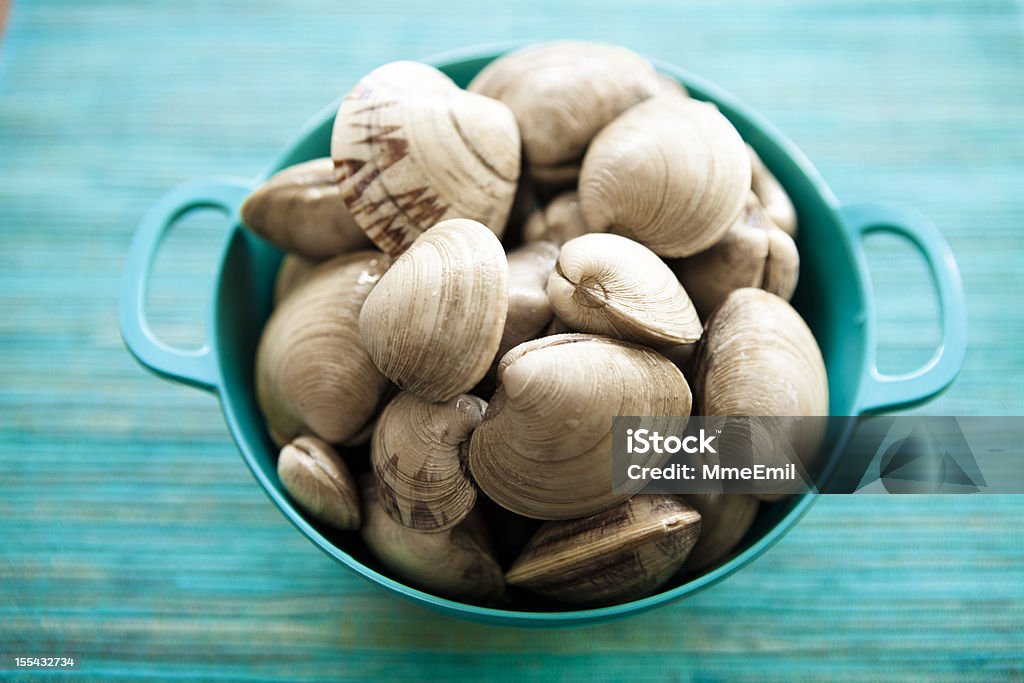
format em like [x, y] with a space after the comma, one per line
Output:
[759, 358]
[412, 149]
[456, 563]
[318, 479]
[434, 322]
[562, 93]
[543, 449]
[313, 373]
[754, 253]
[292, 273]
[620, 554]
[671, 172]
[529, 311]
[725, 519]
[611, 285]
[772, 195]
[558, 222]
[300, 210]
[416, 455]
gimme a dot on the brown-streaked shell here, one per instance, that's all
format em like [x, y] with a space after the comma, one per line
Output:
[543, 449]
[611, 285]
[562, 93]
[754, 253]
[529, 311]
[317, 478]
[300, 210]
[433, 323]
[772, 195]
[313, 373]
[620, 554]
[559, 221]
[411, 149]
[671, 173]
[457, 563]
[725, 519]
[417, 458]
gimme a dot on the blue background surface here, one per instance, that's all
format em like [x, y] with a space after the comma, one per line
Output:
[131, 533]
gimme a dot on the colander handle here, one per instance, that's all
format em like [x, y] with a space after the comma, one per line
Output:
[882, 392]
[195, 367]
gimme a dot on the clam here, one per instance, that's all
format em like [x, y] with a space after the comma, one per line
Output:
[313, 373]
[417, 459]
[456, 563]
[725, 519]
[558, 222]
[671, 173]
[623, 553]
[411, 149]
[609, 284]
[759, 359]
[528, 309]
[770, 192]
[543, 449]
[562, 93]
[754, 253]
[300, 210]
[317, 479]
[434, 322]
[292, 273]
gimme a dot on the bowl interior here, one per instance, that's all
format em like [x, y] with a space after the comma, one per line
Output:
[831, 296]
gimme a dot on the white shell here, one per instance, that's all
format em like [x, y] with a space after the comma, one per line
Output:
[558, 222]
[300, 210]
[562, 93]
[318, 479]
[293, 272]
[671, 173]
[758, 358]
[313, 373]
[754, 253]
[770, 192]
[433, 323]
[529, 311]
[543, 449]
[611, 285]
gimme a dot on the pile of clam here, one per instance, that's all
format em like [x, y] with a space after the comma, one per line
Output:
[478, 279]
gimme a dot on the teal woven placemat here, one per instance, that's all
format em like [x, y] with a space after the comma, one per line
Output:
[131, 534]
